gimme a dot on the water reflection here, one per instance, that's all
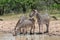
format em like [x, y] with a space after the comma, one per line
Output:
[30, 37]
[9, 36]
[6, 36]
[37, 37]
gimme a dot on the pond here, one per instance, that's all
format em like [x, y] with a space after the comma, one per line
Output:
[6, 36]
[9, 36]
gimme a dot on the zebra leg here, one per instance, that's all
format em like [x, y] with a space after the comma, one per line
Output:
[39, 24]
[26, 30]
[47, 25]
[15, 31]
[20, 31]
[39, 28]
[14, 34]
[33, 29]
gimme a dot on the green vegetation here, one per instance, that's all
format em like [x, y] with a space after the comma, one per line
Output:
[23, 6]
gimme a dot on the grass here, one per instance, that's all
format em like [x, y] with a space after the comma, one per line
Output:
[9, 17]
[13, 16]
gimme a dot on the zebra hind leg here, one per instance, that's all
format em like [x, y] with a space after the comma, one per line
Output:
[47, 30]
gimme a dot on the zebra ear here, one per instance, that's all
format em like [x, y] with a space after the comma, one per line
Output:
[35, 11]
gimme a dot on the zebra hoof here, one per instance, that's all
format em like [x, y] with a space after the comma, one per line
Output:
[46, 32]
[26, 33]
[31, 33]
[39, 33]
[14, 35]
[21, 33]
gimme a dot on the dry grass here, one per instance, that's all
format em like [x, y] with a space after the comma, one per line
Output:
[12, 16]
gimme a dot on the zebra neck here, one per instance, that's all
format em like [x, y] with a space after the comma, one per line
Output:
[38, 16]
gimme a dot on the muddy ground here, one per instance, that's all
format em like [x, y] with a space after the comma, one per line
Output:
[8, 26]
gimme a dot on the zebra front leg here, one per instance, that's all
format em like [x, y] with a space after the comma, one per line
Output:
[47, 28]
[33, 29]
[14, 34]
[39, 24]
[39, 29]
[15, 31]
[20, 31]
[26, 30]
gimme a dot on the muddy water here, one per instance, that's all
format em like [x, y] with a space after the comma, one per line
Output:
[30, 37]
[37, 37]
[6, 36]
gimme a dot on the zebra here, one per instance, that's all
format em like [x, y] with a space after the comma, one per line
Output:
[42, 19]
[26, 23]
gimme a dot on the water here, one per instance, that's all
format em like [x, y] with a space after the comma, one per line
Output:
[9, 36]
[6, 36]
[30, 37]
[37, 37]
